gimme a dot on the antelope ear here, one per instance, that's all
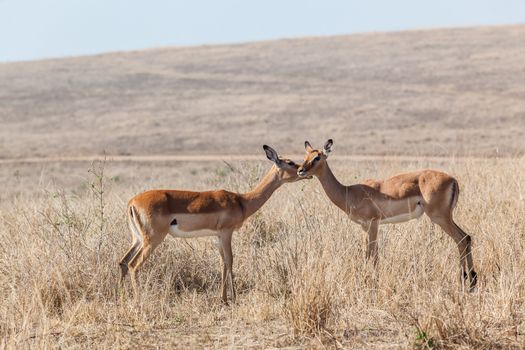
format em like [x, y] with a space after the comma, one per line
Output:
[308, 147]
[328, 147]
[272, 154]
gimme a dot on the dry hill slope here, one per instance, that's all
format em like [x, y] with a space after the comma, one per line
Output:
[419, 92]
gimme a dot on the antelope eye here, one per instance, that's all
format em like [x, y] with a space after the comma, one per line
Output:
[291, 163]
[317, 158]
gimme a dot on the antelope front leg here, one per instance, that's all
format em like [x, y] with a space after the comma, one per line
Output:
[223, 277]
[226, 244]
[371, 229]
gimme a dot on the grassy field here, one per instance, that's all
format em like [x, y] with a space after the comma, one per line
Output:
[301, 273]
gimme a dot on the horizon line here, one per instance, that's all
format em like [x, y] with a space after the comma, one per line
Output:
[256, 41]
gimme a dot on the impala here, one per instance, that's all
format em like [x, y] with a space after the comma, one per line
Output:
[154, 214]
[398, 199]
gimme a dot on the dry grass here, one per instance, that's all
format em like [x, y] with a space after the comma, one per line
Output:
[301, 272]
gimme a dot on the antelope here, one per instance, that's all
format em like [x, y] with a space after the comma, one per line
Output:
[154, 214]
[398, 199]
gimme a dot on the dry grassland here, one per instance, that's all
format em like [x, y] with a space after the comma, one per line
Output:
[300, 266]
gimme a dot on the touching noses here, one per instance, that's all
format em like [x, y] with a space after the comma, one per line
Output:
[301, 171]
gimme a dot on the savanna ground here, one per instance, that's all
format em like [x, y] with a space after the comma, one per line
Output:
[300, 266]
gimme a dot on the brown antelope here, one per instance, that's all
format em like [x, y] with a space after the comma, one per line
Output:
[398, 199]
[154, 214]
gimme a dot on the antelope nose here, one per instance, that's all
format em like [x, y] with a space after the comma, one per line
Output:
[300, 171]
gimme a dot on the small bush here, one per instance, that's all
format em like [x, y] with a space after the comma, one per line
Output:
[311, 302]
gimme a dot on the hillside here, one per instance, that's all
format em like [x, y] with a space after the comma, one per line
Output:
[432, 92]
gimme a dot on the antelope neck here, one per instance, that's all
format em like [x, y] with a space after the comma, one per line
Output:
[255, 199]
[337, 192]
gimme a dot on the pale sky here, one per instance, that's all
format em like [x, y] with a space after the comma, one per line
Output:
[34, 29]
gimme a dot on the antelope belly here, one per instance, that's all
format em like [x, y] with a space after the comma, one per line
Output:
[176, 232]
[416, 213]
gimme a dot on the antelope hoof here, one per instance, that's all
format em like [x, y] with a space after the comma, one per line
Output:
[473, 282]
[123, 271]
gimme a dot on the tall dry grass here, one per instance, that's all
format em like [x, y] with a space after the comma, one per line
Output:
[300, 270]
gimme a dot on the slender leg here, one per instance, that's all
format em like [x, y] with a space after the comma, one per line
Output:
[371, 229]
[136, 262]
[467, 255]
[125, 260]
[226, 239]
[464, 243]
[223, 279]
[148, 246]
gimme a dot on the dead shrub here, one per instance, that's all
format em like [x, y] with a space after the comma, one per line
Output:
[311, 301]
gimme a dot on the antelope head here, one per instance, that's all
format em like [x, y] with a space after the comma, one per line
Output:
[286, 169]
[315, 159]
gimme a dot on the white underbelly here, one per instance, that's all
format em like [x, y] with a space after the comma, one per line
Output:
[175, 232]
[416, 213]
